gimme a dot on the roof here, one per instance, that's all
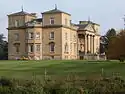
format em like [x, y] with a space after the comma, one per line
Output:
[54, 11]
[89, 22]
[38, 20]
[20, 13]
[82, 26]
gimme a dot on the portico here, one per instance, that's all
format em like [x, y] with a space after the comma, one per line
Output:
[87, 40]
[86, 43]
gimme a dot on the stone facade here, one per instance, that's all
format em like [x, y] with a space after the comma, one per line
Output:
[53, 36]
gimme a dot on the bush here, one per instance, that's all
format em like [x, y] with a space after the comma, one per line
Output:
[121, 58]
[114, 85]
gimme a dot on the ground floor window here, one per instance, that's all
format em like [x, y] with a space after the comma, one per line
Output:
[31, 48]
[52, 47]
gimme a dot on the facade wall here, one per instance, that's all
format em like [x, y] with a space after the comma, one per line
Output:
[66, 19]
[66, 41]
[46, 41]
[34, 41]
[57, 19]
[13, 19]
[12, 54]
[69, 38]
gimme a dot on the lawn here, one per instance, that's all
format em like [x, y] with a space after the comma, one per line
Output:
[29, 69]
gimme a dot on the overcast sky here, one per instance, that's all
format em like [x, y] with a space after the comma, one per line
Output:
[107, 13]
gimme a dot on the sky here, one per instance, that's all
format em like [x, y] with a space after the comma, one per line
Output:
[107, 13]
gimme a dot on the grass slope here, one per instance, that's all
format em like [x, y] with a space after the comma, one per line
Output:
[26, 69]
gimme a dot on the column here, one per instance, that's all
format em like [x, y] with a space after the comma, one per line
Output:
[88, 42]
[93, 44]
[85, 43]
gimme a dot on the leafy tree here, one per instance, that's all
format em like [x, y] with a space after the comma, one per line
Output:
[111, 33]
[105, 40]
[3, 47]
[116, 47]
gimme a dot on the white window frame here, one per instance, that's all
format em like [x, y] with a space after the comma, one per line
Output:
[52, 20]
[37, 35]
[16, 36]
[51, 37]
[30, 48]
[30, 35]
[52, 49]
[38, 45]
[16, 23]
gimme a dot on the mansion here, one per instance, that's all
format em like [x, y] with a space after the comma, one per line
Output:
[53, 36]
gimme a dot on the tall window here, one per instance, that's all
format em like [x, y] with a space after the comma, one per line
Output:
[38, 35]
[71, 47]
[16, 23]
[31, 35]
[16, 36]
[17, 48]
[31, 48]
[51, 35]
[52, 21]
[66, 48]
[52, 46]
[38, 48]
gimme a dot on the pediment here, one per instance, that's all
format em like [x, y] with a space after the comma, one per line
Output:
[90, 28]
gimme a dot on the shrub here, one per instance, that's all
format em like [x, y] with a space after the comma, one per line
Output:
[113, 85]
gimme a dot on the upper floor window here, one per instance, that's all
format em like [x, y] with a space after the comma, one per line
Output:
[38, 35]
[51, 20]
[16, 23]
[31, 35]
[51, 35]
[38, 48]
[16, 36]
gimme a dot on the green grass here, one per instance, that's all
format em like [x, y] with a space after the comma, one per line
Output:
[27, 69]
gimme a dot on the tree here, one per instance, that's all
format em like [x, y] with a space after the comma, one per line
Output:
[105, 40]
[116, 47]
[111, 33]
[3, 47]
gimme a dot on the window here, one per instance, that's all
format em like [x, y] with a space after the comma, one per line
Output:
[51, 21]
[66, 48]
[38, 35]
[51, 35]
[66, 22]
[16, 23]
[31, 48]
[16, 36]
[31, 35]
[66, 36]
[52, 47]
[38, 48]
[17, 48]
[71, 47]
